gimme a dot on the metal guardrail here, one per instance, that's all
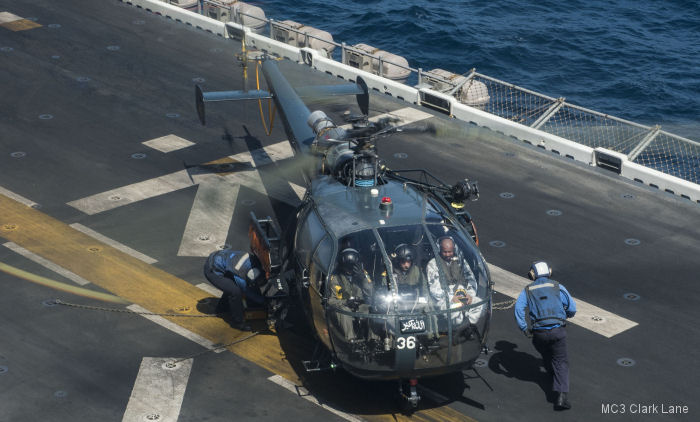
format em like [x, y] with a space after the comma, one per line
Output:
[644, 145]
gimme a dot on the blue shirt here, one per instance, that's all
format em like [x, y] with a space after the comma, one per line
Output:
[521, 304]
[236, 263]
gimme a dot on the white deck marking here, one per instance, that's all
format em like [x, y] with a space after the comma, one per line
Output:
[210, 218]
[129, 194]
[6, 17]
[304, 393]
[587, 315]
[18, 198]
[210, 289]
[177, 329]
[113, 243]
[168, 143]
[46, 263]
[158, 391]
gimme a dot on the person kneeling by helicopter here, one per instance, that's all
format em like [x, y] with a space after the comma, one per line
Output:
[350, 286]
[237, 274]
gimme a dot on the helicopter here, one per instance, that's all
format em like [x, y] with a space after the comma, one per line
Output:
[343, 256]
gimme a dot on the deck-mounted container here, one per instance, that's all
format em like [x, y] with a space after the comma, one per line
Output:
[367, 58]
[300, 35]
[468, 91]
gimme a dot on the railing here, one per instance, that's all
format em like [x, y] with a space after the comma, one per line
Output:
[639, 146]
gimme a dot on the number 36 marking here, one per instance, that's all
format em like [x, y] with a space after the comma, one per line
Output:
[406, 342]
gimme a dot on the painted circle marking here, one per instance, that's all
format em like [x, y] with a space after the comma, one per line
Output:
[36, 206]
[203, 237]
[507, 195]
[6, 49]
[54, 25]
[598, 319]
[632, 242]
[497, 243]
[401, 155]
[173, 115]
[113, 47]
[48, 302]
[82, 79]
[480, 363]
[46, 116]
[94, 249]
[55, 57]
[222, 247]
[171, 365]
[9, 227]
[631, 296]
[3, 369]
[198, 80]
[115, 198]
[152, 417]
[60, 394]
[627, 196]
[509, 154]
[138, 156]
[183, 308]
[626, 362]
[18, 154]
[554, 213]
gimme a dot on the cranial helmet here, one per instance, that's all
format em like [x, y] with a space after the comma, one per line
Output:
[539, 269]
[253, 274]
[349, 258]
[403, 252]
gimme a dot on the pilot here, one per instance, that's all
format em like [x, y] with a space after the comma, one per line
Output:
[350, 287]
[550, 304]
[238, 275]
[458, 273]
[409, 277]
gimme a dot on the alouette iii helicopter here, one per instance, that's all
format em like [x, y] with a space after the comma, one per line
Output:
[385, 266]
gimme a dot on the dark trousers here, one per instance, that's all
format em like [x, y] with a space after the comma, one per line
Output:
[552, 346]
[232, 293]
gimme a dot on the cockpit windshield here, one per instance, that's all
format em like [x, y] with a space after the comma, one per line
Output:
[422, 286]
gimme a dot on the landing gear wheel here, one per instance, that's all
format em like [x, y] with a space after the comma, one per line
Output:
[408, 395]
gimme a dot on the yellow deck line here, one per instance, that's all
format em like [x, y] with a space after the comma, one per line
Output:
[153, 289]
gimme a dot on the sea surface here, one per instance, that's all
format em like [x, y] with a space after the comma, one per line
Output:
[634, 59]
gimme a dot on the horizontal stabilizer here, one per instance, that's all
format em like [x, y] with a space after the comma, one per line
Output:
[328, 90]
[358, 89]
[202, 97]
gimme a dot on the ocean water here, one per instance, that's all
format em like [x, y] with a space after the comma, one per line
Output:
[634, 59]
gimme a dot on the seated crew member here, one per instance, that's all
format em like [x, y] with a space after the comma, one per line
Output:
[409, 277]
[461, 283]
[350, 286]
[237, 274]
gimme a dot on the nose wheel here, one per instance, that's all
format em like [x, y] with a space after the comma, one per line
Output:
[408, 395]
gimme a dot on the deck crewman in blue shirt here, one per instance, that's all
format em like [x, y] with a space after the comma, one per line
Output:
[238, 274]
[550, 304]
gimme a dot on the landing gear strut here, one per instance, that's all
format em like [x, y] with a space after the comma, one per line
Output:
[408, 394]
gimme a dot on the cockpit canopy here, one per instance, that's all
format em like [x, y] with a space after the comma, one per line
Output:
[408, 269]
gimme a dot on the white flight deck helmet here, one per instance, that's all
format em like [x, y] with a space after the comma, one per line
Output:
[539, 269]
[253, 274]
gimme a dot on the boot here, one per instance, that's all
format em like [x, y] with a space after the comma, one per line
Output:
[562, 402]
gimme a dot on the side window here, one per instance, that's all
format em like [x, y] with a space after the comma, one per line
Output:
[308, 237]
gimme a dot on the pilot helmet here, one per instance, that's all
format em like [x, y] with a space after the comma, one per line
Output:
[349, 258]
[539, 269]
[403, 252]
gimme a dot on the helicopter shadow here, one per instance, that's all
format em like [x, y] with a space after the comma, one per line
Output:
[522, 366]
